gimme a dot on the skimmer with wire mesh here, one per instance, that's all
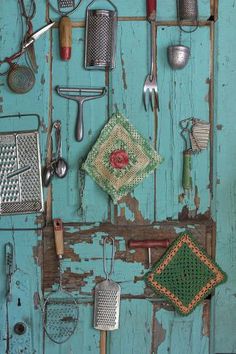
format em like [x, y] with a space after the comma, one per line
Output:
[107, 296]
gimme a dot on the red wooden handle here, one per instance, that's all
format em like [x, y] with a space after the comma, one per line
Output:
[149, 243]
[151, 9]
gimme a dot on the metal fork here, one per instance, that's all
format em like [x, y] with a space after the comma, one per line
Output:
[150, 85]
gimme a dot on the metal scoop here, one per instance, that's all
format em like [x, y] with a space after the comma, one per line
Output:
[107, 296]
[76, 94]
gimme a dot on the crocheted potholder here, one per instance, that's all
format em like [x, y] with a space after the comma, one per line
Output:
[185, 275]
[121, 158]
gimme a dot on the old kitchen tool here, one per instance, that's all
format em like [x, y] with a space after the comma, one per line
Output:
[30, 51]
[60, 309]
[187, 10]
[65, 35]
[107, 296]
[149, 244]
[69, 6]
[9, 269]
[178, 56]
[100, 38]
[195, 133]
[20, 79]
[80, 95]
[25, 45]
[60, 165]
[20, 170]
[150, 85]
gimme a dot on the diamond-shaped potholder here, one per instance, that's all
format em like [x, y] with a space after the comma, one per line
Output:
[185, 275]
[121, 158]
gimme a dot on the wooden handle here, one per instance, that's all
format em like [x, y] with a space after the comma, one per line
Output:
[149, 243]
[103, 342]
[65, 33]
[58, 235]
[151, 9]
[187, 179]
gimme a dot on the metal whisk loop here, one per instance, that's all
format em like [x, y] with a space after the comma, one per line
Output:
[108, 274]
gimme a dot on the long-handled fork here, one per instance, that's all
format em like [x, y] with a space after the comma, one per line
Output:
[150, 85]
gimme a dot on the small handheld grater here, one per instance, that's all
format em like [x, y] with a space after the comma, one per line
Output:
[62, 4]
[107, 296]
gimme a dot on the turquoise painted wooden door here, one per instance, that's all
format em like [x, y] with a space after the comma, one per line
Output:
[157, 208]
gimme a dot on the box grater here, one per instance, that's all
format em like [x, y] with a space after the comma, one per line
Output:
[20, 171]
[107, 297]
[100, 41]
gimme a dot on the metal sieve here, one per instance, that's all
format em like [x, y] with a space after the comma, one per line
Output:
[20, 79]
[100, 41]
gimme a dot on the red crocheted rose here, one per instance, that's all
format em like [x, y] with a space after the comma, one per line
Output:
[119, 159]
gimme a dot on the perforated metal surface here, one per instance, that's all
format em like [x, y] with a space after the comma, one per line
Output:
[20, 192]
[65, 3]
[188, 10]
[100, 39]
[107, 306]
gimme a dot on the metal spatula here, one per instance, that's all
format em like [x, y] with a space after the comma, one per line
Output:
[107, 296]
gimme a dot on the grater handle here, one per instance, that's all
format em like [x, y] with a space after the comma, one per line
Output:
[149, 243]
[108, 274]
[20, 116]
[103, 339]
[58, 235]
[110, 2]
[151, 9]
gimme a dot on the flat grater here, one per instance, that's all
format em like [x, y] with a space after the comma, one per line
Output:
[20, 171]
[107, 296]
[62, 4]
[100, 40]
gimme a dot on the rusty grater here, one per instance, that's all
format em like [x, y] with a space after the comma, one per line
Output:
[107, 296]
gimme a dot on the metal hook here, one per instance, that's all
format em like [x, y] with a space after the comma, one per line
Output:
[108, 274]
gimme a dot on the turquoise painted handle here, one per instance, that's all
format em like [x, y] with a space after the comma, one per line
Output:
[187, 166]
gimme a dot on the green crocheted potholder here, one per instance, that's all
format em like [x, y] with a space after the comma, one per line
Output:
[185, 275]
[121, 158]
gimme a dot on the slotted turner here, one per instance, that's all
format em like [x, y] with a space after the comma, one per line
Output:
[107, 296]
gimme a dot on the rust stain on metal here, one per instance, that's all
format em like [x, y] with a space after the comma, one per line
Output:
[158, 332]
[133, 204]
[206, 319]
[124, 79]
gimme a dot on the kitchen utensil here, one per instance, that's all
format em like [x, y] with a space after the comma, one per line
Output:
[60, 165]
[100, 38]
[20, 79]
[9, 269]
[70, 5]
[20, 170]
[149, 244]
[48, 173]
[30, 51]
[178, 56]
[65, 4]
[150, 85]
[60, 310]
[199, 134]
[187, 10]
[187, 156]
[79, 95]
[107, 296]
[195, 133]
[65, 35]
[24, 74]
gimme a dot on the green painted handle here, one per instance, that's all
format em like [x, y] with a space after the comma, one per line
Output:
[187, 162]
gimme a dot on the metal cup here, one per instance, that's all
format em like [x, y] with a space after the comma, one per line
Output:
[178, 56]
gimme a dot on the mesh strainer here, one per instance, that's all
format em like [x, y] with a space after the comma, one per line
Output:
[20, 79]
